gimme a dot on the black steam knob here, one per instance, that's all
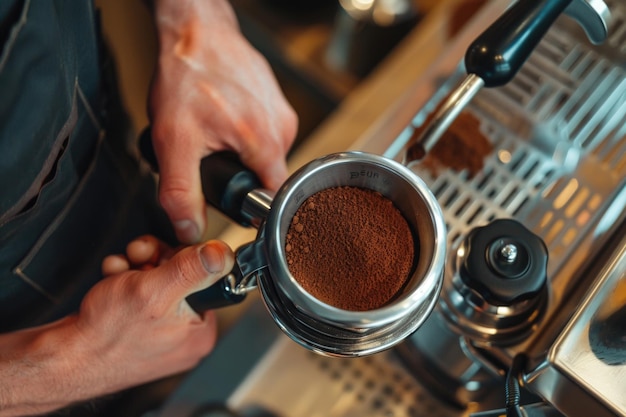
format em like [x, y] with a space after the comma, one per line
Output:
[504, 262]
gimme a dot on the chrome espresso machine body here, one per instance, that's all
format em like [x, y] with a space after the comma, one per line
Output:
[555, 180]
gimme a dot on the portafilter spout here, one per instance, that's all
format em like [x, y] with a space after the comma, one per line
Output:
[495, 57]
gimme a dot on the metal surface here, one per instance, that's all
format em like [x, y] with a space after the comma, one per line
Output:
[591, 350]
[256, 206]
[472, 316]
[330, 387]
[559, 156]
[593, 16]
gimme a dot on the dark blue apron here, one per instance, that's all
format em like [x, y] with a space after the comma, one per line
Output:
[70, 190]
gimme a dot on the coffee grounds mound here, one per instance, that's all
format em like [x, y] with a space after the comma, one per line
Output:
[462, 146]
[350, 248]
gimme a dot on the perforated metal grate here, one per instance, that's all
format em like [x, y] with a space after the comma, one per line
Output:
[331, 387]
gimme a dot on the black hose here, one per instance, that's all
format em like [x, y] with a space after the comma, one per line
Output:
[512, 388]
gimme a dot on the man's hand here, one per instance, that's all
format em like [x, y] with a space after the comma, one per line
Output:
[132, 327]
[212, 91]
[142, 324]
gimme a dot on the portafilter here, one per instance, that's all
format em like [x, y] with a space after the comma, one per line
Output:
[314, 324]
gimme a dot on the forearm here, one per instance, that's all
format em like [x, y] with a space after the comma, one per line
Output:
[40, 369]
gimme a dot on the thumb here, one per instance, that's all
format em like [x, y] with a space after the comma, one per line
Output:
[196, 268]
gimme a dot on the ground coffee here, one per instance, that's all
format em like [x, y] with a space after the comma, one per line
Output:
[351, 248]
[462, 147]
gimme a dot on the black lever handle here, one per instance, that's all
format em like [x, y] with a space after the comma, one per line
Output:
[501, 50]
[216, 296]
[225, 180]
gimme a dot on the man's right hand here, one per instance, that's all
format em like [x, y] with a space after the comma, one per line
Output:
[212, 91]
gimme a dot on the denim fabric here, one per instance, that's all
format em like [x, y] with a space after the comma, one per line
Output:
[70, 191]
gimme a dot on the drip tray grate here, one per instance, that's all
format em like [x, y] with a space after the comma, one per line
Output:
[376, 385]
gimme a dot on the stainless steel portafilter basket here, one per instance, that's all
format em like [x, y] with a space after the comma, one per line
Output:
[318, 326]
[322, 327]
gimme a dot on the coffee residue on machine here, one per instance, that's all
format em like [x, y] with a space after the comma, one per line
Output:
[351, 248]
[462, 147]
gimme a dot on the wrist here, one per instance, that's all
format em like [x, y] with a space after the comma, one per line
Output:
[41, 369]
[189, 18]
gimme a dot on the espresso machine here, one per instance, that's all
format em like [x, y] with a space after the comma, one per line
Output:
[530, 318]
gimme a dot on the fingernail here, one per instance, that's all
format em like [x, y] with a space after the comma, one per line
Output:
[187, 231]
[212, 257]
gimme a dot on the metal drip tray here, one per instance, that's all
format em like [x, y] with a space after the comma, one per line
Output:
[558, 166]
[376, 385]
[259, 372]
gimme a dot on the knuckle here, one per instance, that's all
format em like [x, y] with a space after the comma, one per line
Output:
[141, 291]
[173, 197]
[187, 271]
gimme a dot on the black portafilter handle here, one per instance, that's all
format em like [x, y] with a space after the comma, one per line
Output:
[226, 181]
[501, 50]
[225, 184]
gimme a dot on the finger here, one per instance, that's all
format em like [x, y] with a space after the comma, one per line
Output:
[273, 175]
[180, 189]
[114, 264]
[267, 158]
[195, 268]
[289, 125]
[268, 163]
[143, 250]
[148, 249]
